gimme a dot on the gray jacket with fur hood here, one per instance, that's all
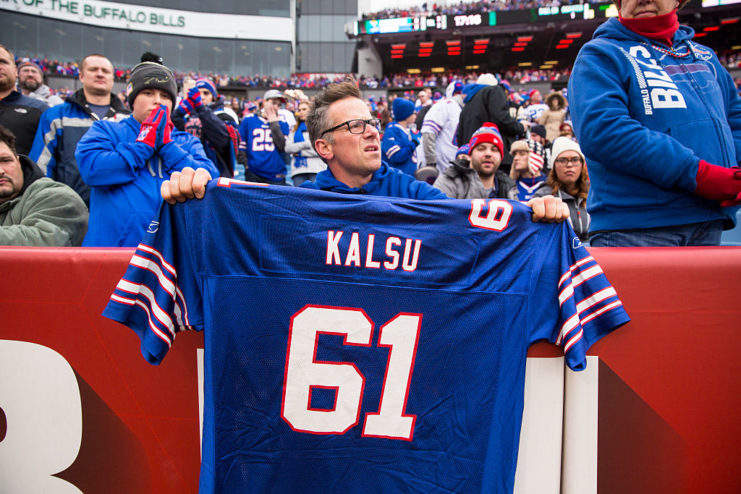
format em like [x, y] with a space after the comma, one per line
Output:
[460, 181]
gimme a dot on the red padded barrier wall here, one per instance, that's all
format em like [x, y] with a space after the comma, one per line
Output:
[140, 422]
[680, 355]
[674, 369]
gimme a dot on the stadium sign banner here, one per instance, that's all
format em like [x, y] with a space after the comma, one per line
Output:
[158, 20]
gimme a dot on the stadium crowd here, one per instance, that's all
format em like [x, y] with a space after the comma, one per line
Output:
[266, 140]
[467, 134]
[71, 70]
[730, 59]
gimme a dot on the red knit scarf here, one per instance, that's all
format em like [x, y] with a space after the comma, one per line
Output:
[659, 28]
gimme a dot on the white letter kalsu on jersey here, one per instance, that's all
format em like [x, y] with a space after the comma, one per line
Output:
[360, 252]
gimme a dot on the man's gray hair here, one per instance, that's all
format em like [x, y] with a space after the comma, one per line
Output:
[317, 121]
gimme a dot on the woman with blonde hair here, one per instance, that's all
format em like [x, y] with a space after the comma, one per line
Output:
[305, 163]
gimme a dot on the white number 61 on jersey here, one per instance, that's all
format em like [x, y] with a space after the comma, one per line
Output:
[303, 373]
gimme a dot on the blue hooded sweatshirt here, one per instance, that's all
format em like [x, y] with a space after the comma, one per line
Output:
[398, 147]
[125, 177]
[386, 181]
[644, 119]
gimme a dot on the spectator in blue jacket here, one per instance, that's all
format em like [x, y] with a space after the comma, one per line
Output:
[62, 126]
[262, 140]
[399, 144]
[125, 162]
[201, 113]
[659, 121]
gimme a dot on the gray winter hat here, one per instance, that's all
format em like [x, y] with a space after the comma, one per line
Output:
[151, 75]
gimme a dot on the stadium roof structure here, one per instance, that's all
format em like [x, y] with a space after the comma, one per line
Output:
[535, 38]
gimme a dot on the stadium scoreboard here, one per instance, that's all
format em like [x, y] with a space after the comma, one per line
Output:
[584, 11]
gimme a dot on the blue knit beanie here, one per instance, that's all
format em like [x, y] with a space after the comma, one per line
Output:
[465, 149]
[204, 83]
[402, 108]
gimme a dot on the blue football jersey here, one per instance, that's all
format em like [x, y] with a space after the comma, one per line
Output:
[256, 140]
[526, 187]
[361, 344]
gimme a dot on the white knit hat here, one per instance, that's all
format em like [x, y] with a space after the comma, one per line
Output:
[561, 144]
[488, 79]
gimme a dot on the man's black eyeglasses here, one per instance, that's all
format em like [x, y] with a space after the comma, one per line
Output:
[356, 125]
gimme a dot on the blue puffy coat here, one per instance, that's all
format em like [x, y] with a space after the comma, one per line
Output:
[60, 129]
[125, 178]
[644, 118]
[398, 146]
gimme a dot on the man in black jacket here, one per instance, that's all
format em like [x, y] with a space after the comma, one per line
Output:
[201, 113]
[486, 101]
[19, 113]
